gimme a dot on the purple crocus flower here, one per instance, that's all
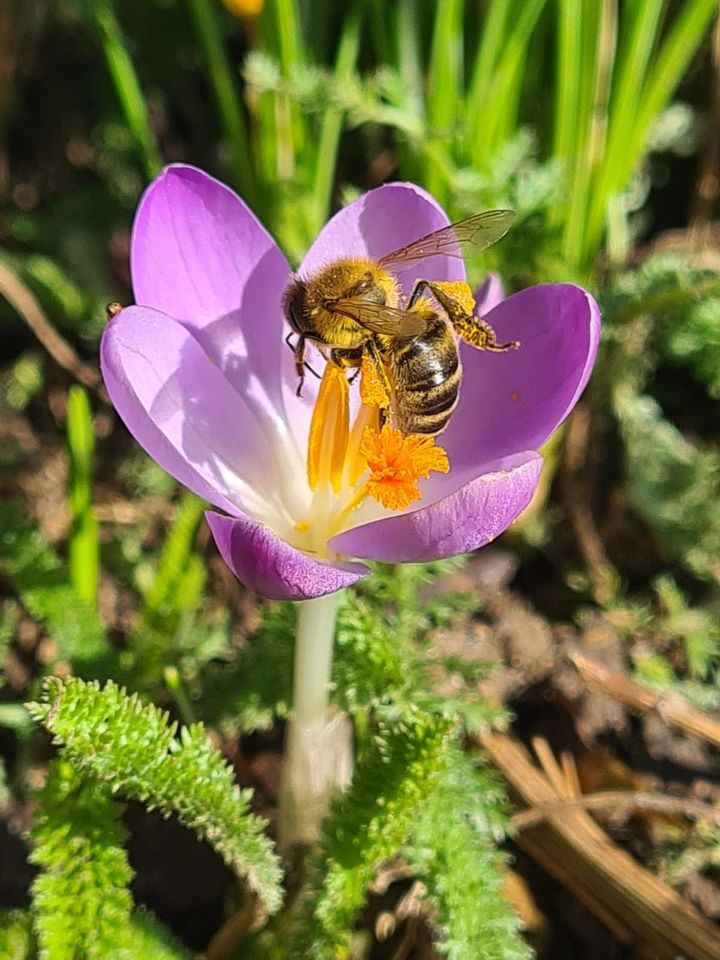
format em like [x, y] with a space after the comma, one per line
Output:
[201, 375]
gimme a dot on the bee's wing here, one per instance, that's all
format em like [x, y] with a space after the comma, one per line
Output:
[478, 232]
[379, 318]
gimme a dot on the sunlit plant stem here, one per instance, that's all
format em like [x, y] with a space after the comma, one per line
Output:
[318, 753]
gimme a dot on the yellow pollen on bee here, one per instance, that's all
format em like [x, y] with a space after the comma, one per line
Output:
[460, 292]
[372, 388]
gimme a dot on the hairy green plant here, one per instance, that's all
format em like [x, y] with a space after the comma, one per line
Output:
[15, 935]
[47, 593]
[173, 596]
[133, 750]
[666, 313]
[453, 851]
[368, 824]
[81, 900]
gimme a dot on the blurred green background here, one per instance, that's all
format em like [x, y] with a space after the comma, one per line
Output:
[598, 121]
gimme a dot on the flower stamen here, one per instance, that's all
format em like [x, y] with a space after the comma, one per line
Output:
[347, 465]
[329, 430]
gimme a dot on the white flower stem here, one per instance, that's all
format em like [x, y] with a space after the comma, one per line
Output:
[318, 746]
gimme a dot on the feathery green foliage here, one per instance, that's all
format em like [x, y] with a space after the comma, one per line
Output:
[368, 824]
[453, 851]
[677, 490]
[133, 750]
[249, 693]
[172, 598]
[81, 901]
[15, 935]
[667, 312]
[381, 660]
[47, 593]
[149, 940]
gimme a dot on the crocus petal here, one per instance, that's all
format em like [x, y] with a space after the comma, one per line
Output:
[469, 518]
[182, 409]
[380, 222]
[273, 568]
[513, 401]
[489, 294]
[201, 255]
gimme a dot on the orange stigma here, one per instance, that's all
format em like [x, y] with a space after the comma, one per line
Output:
[396, 462]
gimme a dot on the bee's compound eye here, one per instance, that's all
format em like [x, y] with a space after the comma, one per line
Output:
[293, 306]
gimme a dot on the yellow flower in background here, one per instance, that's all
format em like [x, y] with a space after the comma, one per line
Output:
[244, 9]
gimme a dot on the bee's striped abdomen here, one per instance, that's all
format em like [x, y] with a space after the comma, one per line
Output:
[426, 376]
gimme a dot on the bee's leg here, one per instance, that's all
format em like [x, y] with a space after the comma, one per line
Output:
[301, 364]
[473, 330]
[479, 334]
[347, 360]
[299, 352]
[376, 358]
[417, 292]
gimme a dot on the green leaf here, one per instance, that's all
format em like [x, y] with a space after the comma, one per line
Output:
[132, 748]
[368, 824]
[454, 852]
[81, 898]
[38, 575]
[249, 693]
[150, 940]
[15, 935]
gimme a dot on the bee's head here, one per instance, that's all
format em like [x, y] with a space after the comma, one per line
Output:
[294, 301]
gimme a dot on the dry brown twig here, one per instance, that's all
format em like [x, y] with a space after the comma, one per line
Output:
[674, 710]
[621, 804]
[248, 918]
[634, 904]
[600, 570]
[22, 299]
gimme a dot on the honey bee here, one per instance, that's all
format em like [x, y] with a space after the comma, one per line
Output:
[352, 308]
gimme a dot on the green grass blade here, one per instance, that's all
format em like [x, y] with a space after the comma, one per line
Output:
[632, 118]
[498, 117]
[289, 35]
[671, 63]
[84, 550]
[227, 97]
[176, 553]
[599, 39]
[127, 85]
[445, 81]
[493, 37]
[408, 52]
[332, 121]
[638, 32]
[568, 72]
